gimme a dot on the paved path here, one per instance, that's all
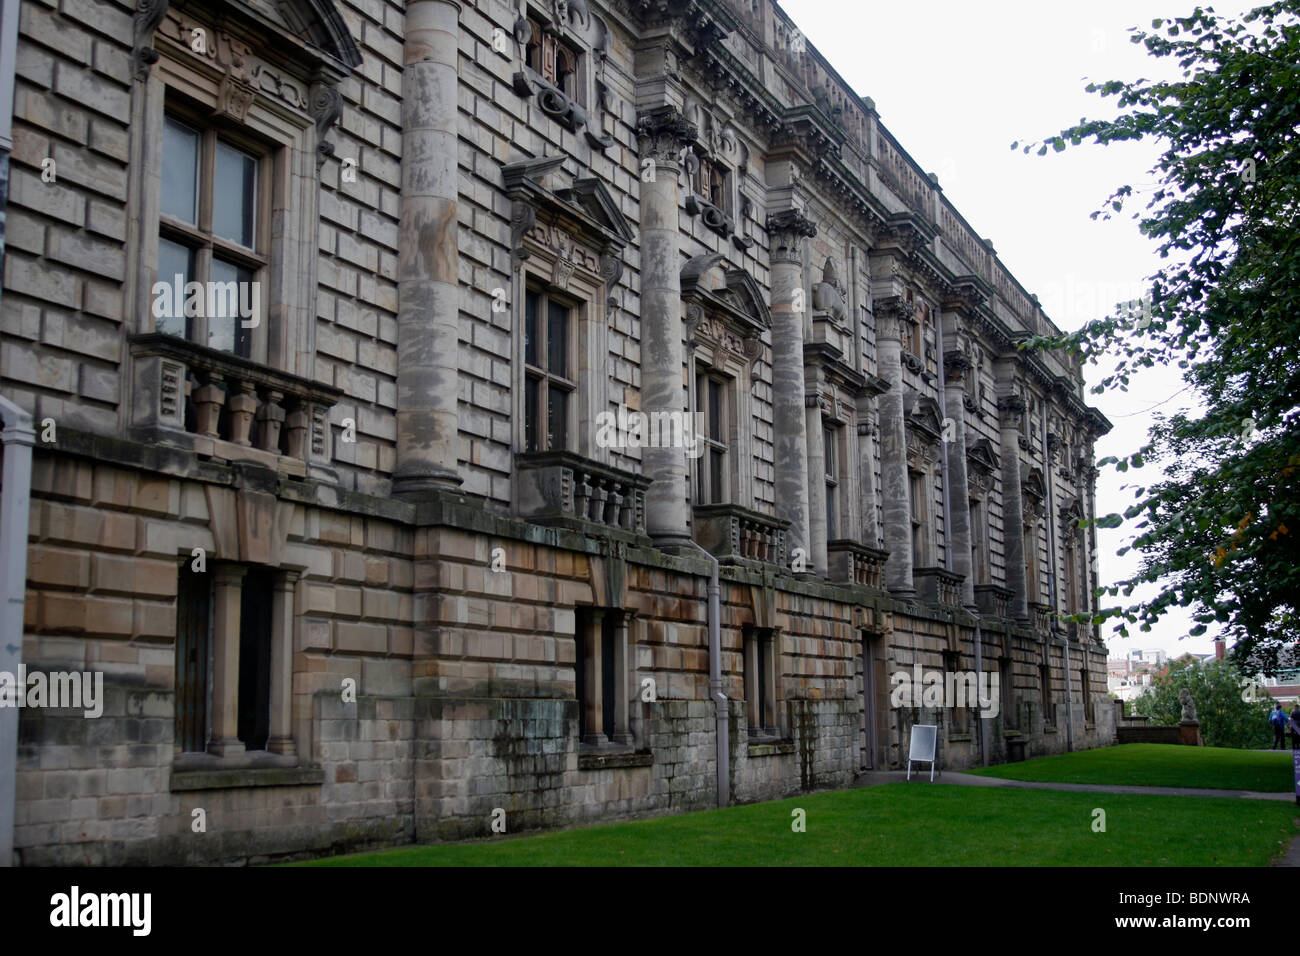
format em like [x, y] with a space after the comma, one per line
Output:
[873, 778]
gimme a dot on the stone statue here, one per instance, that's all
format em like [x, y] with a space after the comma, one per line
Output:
[1189, 705]
[828, 295]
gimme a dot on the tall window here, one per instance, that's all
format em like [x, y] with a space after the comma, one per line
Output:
[917, 494]
[1031, 563]
[1083, 690]
[1010, 712]
[831, 444]
[600, 669]
[213, 227]
[712, 395]
[760, 681]
[1045, 690]
[979, 541]
[711, 183]
[200, 678]
[553, 60]
[1071, 585]
[548, 380]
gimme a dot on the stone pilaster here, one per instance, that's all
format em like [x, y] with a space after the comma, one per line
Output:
[1010, 409]
[428, 288]
[227, 593]
[955, 366]
[890, 314]
[787, 230]
[282, 617]
[661, 135]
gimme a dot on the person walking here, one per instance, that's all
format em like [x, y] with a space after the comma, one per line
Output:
[1278, 721]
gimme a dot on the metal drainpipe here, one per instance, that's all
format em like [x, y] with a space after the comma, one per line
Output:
[722, 719]
[18, 437]
[1051, 576]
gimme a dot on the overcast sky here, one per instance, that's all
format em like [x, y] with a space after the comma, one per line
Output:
[957, 83]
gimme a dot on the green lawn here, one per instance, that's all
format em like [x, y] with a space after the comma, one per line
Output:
[902, 825]
[1159, 765]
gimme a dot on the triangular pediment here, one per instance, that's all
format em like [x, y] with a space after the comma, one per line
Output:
[1032, 483]
[982, 456]
[924, 416]
[584, 208]
[316, 23]
[594, 197]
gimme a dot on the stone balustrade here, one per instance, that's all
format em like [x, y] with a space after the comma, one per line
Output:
[852, 563]
[733, 534]
[560, 487]
[938, 586]
[226, 406]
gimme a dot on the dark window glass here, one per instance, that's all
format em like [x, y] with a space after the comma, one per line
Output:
[530, 414]
[531, 300]
[231, 294]
[255, 659]
[193, 649]
[180, 172]
[234, 202]
[175, 269]
[557, 340]
[557, 418]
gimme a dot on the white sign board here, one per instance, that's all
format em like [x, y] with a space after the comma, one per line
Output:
[924, 739]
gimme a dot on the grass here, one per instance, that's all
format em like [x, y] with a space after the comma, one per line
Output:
[1159, 765]
[901, 825]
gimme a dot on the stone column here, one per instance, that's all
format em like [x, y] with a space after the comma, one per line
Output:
[787, 231]
[661, 135]
[282, 618]
[227, 592]
[895, 491]
[428, 283]
[593, 676]
[1010, 408]
[621, 731]
[955, 365]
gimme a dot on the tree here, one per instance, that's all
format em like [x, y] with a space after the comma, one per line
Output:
[1230, 714]
[1219, 532]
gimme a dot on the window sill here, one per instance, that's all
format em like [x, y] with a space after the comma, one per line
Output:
[594, 758]
[208, 772]
[1049, 730]
[770, 747]
[960, 738]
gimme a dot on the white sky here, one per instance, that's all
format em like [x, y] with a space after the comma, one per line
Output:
[958, 82]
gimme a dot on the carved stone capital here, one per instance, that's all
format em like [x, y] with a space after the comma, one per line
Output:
[787, 230]
[662, 134]
[955, 366]
[148, 14]
[1010, 409]
[891, 313]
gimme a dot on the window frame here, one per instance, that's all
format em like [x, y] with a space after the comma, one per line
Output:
[542, 56]
[833, 477]
[918, 499]
[714, 445]
[200, 237]
[540, 417]
[759, 661]
[601, 638]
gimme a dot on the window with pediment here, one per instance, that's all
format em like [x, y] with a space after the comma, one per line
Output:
[231, 109]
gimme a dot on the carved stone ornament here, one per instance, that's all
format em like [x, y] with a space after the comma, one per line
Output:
[325, 105]
[148, 14]
[661, 135]
[787, 230]
[1010, 409]
[890, 314]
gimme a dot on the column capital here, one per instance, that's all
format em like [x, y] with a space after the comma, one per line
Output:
[662, 133]
[787, 229]
[890, 314]
[1010, 408]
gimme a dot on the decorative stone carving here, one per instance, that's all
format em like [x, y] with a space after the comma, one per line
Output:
[890, 314]
[828, 295]
[786, 230]
[148, 14]
[661, 135]
[1010, 409]
[522, 219]
[325, 105]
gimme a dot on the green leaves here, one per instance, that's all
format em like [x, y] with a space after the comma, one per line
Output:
[1216, 527]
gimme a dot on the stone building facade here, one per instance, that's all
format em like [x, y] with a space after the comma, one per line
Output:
[414, 531]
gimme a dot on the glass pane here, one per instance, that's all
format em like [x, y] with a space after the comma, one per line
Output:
[828, 436]
[532, 302]
[231, 307]
[180, 169]
[701, 483]
[530, 415]
[831, 534]
[234, 196]
[175, 267]
[557, 340]
[557, 419]
[715, 410]
[715, 478]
